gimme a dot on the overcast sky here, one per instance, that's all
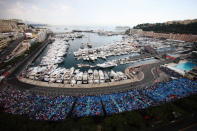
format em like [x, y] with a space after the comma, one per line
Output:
[98, 12]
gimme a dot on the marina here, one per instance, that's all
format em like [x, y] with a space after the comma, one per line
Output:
[89, 65]
[77, 58]
[115, 49]
[48, 68]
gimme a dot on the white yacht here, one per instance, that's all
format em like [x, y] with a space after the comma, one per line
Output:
[85, 78]
[101, 76]
[96, 76]
[107, 64]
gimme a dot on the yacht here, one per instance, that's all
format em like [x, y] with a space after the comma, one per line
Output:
[89, 45]
[101, 76]
[73, 81]
[107, 65]
[90, 71]
[96, 76]
[92, 57]
[85, 78]
[106, 77]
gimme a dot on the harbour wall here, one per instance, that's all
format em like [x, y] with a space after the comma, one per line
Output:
[60, 85]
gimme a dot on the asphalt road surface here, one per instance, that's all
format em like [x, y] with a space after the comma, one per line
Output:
[11, 46]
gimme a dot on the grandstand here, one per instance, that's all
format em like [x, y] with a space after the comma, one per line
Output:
[50, 108]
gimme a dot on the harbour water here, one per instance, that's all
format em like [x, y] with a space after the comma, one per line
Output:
[92, 38]
[61, 28]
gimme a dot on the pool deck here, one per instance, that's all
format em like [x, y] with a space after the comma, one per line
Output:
[173, 67]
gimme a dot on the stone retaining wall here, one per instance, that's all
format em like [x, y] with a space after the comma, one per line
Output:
[183, 37]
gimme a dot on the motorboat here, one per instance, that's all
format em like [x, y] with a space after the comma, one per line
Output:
[96, 76]
[101, 76]
[85, 78]
[89, 45]
[107, 65]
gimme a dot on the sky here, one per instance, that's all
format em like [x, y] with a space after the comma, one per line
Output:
[98, 12]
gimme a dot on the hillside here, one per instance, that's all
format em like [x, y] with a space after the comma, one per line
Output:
[181, 27]
[182, 21]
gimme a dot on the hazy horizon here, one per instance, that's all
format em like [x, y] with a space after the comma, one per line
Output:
[98, 13]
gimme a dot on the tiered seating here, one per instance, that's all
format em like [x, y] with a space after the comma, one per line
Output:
[57, 108]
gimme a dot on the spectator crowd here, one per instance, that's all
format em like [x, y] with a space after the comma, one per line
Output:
[39, 107]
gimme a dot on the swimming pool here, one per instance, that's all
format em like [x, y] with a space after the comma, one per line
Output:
[187, 66]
